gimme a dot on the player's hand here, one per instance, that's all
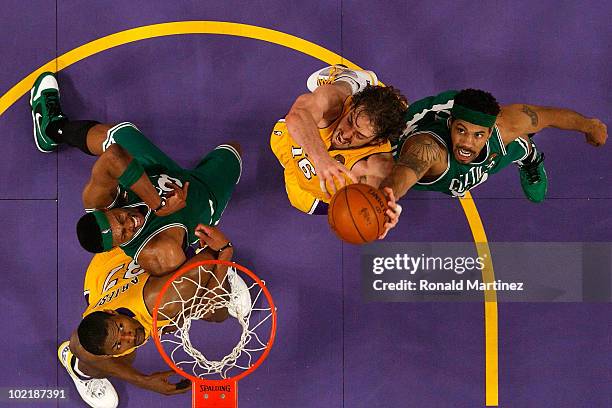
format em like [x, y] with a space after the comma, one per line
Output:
[159, 382]
[331, 174]
[176, 200]
[211, 236]
[597, 133]
[393, 212]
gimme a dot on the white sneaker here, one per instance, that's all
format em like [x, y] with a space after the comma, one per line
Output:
[97, 392]
[240, 296]
[357, 79]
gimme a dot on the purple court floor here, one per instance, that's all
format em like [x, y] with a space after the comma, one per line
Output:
[190, 92]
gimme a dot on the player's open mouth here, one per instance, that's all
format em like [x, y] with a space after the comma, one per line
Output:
[138, 221]
[340, 141]
[464, 154]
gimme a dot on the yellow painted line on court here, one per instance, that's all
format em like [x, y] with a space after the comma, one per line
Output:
[303, 46]
[167, 29]
[490, 304]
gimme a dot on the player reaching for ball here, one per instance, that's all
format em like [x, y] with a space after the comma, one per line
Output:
[137, 197]
[359, 213]
[455, 140]
[340, 132]
[121, 297]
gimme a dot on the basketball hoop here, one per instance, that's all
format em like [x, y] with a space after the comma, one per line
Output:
[214, 381]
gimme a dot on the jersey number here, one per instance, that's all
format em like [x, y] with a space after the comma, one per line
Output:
[307, 168]
[304, 164]
[133, 269]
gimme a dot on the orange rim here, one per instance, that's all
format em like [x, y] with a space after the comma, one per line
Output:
[269, 344]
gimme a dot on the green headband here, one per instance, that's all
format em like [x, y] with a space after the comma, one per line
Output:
[472, 116]
[105, 230]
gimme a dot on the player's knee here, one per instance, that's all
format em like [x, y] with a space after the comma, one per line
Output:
[102, 128]
[236, 146]
[96, 135]
[115, 157]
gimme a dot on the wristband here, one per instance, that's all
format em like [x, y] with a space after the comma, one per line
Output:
[161, 205]
[131, 174]
[224, 247]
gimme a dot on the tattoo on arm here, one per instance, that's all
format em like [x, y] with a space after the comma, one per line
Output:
[363, 179]
[529, 112]
[419, 156]
[426, 150]
[417, 165]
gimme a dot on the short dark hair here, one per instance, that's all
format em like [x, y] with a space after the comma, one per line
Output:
[89, 233]
[385, 107]
[478, 100]
[92, 332]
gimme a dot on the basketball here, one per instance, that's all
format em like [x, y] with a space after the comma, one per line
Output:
[357, 213]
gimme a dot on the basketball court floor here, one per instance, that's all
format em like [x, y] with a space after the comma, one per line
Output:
[215, 82]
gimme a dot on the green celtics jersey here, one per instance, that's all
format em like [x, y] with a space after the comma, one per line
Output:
[211, 184]
[432, 116]
[429, 110]
[199, 208]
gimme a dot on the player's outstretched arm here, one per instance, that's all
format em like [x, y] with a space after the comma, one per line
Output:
[115, 166]
[217, 247]
[521, 119]
[165, 256]
[316, 110]
[419, 153]
[218, 243]
[218, 284]
[373, 169]
[121, 367]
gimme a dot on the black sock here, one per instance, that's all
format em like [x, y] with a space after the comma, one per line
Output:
[74, 361]
[73, 133]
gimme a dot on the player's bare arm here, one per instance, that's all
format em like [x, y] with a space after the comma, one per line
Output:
[215, 289]
[113, 165]
[316, 110]
[164, 253]
[373, 169]
[521, 119]
[121, 367]
[419, 154]
[216, 241]
[185, 287]
[219, 273]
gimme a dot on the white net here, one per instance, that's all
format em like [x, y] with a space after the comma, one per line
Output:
[197, 298]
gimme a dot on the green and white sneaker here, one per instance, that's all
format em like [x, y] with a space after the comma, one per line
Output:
[534, 180]
[45, 104]
[96, 392]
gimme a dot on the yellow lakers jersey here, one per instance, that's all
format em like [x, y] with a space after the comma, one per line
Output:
[114, 281]
[301, 180]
